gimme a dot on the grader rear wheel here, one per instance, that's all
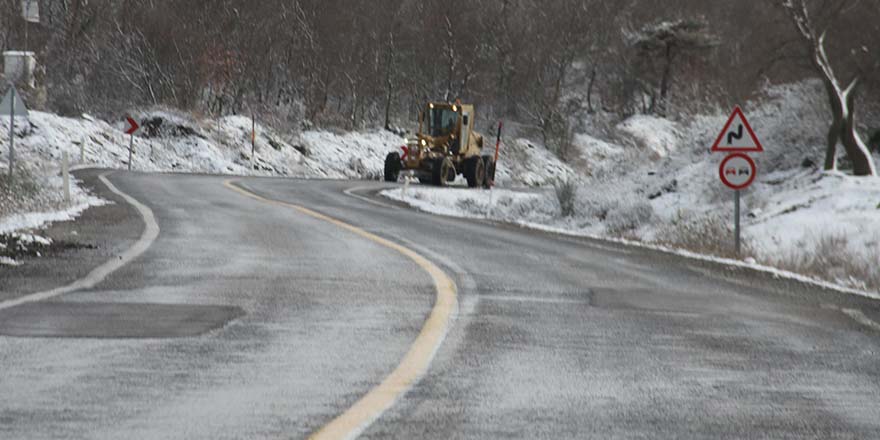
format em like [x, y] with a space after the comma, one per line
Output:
[392, 167]
[475, 172]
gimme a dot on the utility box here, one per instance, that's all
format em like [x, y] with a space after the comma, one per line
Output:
[19, 67]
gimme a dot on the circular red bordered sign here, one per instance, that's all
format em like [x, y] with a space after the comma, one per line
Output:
[738, 171]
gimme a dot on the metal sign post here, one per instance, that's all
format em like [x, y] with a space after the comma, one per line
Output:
[11, 133]
[737, 216]
[13, 106]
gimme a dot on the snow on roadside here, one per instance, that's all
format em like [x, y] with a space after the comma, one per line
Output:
[6, 261]
[351, 155]
[814, 205]
[525, 163]
[215, 146]
[36, 220]
[498, 204]
[41, 201]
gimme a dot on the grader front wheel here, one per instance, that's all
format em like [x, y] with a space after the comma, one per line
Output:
[441, 172]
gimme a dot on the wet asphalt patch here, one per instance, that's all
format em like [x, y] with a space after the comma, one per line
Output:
[114, 320]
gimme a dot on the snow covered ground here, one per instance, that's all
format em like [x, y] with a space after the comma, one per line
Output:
[657, 183]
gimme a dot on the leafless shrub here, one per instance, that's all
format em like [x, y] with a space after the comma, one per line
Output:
[566, 194]
[472, 206]
[624, 219]
[18, 193]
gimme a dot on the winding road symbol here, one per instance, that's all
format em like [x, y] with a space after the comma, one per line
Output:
[735, 140]
[738, 135]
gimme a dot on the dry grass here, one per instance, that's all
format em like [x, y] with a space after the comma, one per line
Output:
[708, 235]
[20, 193]
[830, 258]
[624, 219]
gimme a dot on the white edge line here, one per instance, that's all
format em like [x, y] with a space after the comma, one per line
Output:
[100, 273]
[350, 192]
[861, 318]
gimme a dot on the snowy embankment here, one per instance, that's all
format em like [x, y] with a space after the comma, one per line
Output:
[167, 142]
[655, 183]
[178, 143]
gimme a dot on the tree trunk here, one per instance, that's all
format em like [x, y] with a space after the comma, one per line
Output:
[665, 81]
[843, 126]
[590, 91]
[836, 129]
[863, 163]
[389, 82]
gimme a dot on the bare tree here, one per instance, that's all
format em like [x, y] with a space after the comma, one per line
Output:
[669, 40]
[842, 98]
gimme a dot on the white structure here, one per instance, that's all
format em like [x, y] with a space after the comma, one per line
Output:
[19, 67]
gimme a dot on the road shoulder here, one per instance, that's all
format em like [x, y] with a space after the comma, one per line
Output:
[97, 236]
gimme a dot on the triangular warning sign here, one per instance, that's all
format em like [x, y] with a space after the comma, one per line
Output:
[737, 135]
[6, 107]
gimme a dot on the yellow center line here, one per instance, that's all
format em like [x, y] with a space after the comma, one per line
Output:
[415, 363]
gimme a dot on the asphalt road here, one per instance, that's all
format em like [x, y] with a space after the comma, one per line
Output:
[248, 319]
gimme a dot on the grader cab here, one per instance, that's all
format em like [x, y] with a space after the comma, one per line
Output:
[446, 146]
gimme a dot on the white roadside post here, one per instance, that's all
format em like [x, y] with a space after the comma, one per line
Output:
[738, 170]
[253, 141]
[406, 181]
[65, 173]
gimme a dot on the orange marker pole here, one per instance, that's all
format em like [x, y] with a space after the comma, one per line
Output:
[497, 147]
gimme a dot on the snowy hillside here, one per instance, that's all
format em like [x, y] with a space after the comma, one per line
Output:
[170, 142]
[221, 146]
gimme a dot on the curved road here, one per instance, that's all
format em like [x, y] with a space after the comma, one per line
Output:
[296, 319]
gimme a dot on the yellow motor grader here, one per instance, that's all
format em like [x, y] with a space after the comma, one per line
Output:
[446, 146]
